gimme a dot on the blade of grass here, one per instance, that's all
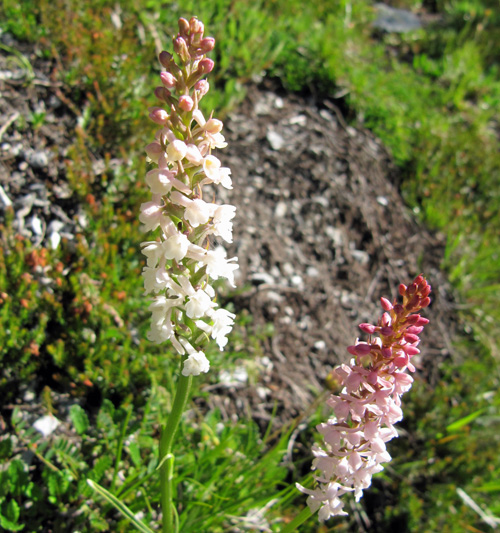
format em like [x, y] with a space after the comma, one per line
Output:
[119, 506]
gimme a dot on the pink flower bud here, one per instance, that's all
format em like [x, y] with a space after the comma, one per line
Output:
[422, 321]
[183, 26]
[168, 79]
[196, 26]
[205, 65]
[386, 331]
[410, 349]
[153, 151]
[414, 302]
[401, 361]
[180, 48]
[362, 348]
[165, 59]
[425, 291]
[411, 338]
[368, 328]
[213, 125]
[419, 279]
[186, 103]
[415, 330]
[162, 94]
[386, 304]
[202, 87]
[158, 115]
[412, 319]
[386, 319]
[398, 309]
[402, 289]
[425, 302]
[387, 352]
[207, 45]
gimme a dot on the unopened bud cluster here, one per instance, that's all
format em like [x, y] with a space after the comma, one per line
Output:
[369, 404]
[180, 263]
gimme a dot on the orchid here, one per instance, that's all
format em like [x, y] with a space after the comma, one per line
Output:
[179, 263]
[365, 411]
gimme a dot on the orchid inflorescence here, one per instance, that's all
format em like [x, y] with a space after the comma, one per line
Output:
[369, 404]
[180, 263]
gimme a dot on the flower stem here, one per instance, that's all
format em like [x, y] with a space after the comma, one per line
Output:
[297, 521]
[166, 458]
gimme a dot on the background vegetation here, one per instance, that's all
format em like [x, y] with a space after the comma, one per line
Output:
[431, 95]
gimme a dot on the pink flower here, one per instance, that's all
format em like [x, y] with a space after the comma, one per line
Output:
[370, 403]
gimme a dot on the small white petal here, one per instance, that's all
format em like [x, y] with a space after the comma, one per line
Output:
[46, 425]
[195, 364]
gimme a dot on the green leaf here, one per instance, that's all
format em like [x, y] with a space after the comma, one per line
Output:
[79, 418]
[9, 526]
[57, 483]
[5, 448]
[455, 426]
[11, 516]
[120, 506]
[100, 467]
[12, 511]
[135, 453]
[492, 486]
[105, 416]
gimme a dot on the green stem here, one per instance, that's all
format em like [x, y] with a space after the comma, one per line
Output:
[298, 520]
[166, 458]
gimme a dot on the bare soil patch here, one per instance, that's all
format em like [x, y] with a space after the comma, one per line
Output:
[321, 234]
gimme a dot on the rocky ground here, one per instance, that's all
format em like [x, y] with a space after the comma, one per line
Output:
[321, 231]
[322, 234]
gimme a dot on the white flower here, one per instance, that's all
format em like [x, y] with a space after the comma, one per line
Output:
[159, 334]
[212, 140]
[223, 227]
[197, 212]
[180, 262]
[225, 180]
[217, 140]
[153, 151]
[198, 305]
[220, 267]
[153, 251]
[155, 279]
[215, 173]
[151, 214]
[160, 181]
[211, 167]
[327, 496]
[223, 324]
[195, 364]
[176, 150]
[176, 247]
[193, 155]
[161, 306]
